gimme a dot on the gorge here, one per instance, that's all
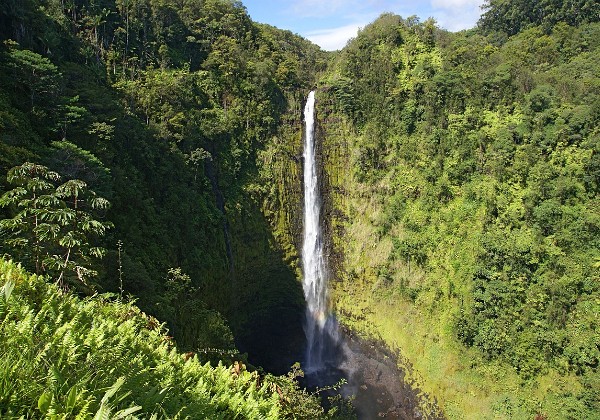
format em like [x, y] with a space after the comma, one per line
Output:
[427, 215]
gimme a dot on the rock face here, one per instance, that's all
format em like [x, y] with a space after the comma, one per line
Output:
[268, 241]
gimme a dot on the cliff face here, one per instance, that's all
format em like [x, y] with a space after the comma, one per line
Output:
[266, 243]
[333, 136]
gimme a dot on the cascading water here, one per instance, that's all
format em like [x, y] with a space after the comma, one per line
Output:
[320, 327]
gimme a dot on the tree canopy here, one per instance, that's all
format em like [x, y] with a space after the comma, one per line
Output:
[511, 17]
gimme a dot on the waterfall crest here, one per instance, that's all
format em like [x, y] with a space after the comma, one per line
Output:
[319, 326]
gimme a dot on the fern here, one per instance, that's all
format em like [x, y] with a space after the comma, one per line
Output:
[63, 357]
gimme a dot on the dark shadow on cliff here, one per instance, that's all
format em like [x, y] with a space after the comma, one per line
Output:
[267, 317]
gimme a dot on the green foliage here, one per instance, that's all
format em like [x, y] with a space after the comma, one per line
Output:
[53, 228]
[511, 17]
[93, 358]
[298, 404]
[197, 328]
[37, 76]
[470, 161]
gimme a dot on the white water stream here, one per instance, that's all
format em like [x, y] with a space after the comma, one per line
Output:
[320, 328]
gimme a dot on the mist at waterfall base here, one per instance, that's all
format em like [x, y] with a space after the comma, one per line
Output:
[330, 354]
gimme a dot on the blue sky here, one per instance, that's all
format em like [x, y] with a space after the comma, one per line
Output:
[330, 23]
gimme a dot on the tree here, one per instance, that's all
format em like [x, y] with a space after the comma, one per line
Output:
[35, 75]
[33, 195]
[53, 229]
[511, 17]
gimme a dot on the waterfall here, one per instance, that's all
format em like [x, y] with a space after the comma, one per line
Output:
[319, 325]
[371, 377]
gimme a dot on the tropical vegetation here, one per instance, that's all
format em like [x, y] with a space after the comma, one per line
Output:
[470, 162]
[150, 161]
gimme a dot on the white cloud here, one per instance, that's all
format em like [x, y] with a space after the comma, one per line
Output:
[334, 38]
[455, 15]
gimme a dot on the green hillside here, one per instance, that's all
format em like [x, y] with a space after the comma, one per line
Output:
[170, 113]
[463, 200]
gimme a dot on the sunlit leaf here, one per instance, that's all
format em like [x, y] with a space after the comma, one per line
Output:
[44, 402]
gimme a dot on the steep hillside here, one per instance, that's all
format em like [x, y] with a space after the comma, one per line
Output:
[175, 114]
[63, 357]
[463, 209]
